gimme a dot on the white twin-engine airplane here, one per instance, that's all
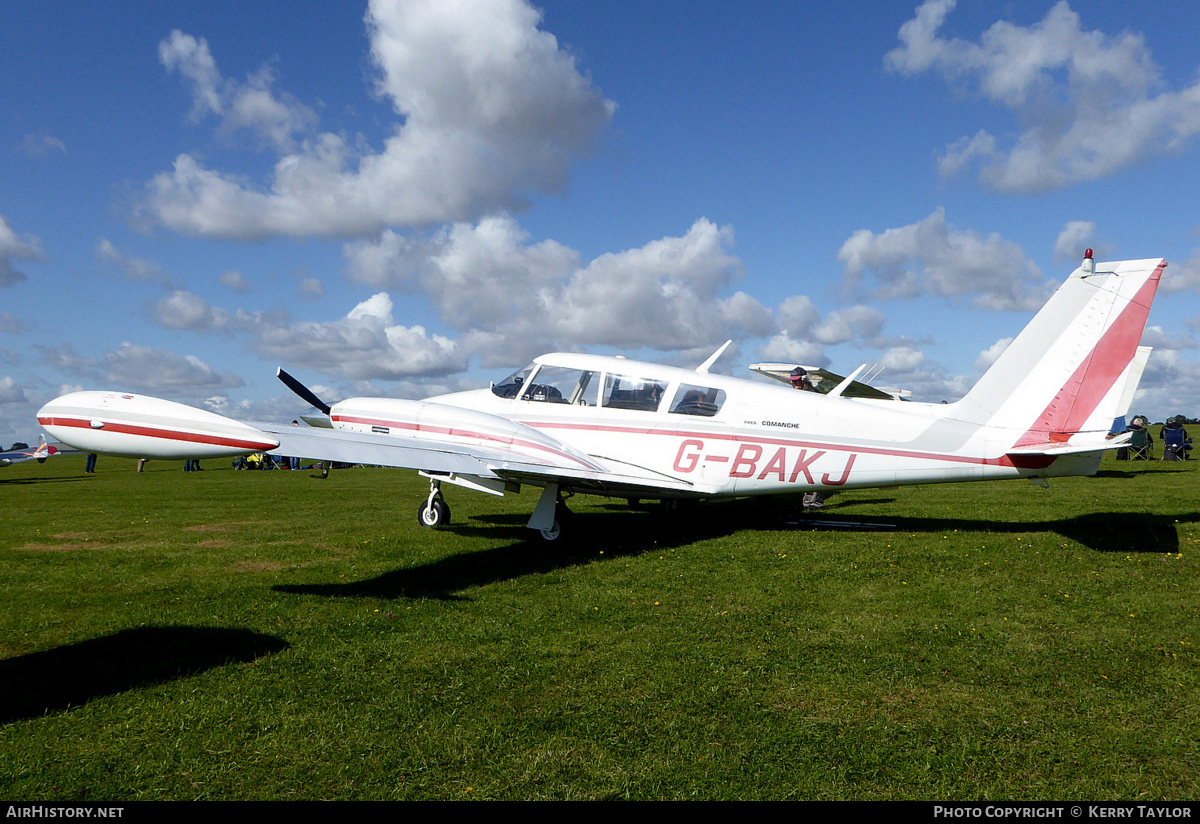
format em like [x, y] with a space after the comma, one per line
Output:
[573, 423]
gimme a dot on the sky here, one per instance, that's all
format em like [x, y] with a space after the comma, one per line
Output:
[408, 198]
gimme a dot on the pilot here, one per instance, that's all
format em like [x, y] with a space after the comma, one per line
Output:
[799, 380]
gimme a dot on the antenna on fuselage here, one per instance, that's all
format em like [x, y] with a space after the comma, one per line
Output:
[714, 357]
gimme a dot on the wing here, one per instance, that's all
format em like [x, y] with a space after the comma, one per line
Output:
[463, 445]
[524, 455]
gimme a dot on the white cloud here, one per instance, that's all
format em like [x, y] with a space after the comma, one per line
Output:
[1181, 277]
[478, 276]
[1170, 385]
[135, 268]
[154, 370]
[1160, 339]
[990, 355]
[784, 348]
[933, 258]
[797, 316]
[42, 145]
[10, 392]
[143, 369]
[844, 325]
[1074, 240]
[364, 345]
[13, 248]
[1090, 104]
[184, 310]
[488, 107]
[662, 295]
[311, 288]
[252, 105]
[235, 280]
[510, 296]
[903, 359]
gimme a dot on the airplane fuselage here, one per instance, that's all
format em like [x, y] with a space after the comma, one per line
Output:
[753, 438]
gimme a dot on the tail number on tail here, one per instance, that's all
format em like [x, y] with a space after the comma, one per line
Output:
[786, 465]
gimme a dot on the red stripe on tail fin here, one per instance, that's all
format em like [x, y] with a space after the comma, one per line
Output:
[1078, 398]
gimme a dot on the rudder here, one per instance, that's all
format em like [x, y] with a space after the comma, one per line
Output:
[1065, 370]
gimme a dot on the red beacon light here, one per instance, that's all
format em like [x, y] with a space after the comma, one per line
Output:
[1089, 265]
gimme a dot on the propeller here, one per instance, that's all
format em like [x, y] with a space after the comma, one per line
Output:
[303, 391]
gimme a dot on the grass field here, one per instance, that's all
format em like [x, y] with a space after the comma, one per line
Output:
[254, 635]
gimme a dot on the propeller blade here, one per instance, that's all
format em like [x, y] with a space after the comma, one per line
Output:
[303, 391]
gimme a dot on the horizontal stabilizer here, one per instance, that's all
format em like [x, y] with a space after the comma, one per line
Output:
[1076, 447]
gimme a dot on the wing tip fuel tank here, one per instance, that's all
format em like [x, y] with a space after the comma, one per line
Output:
[139, 426]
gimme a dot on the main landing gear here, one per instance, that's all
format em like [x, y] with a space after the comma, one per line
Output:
[434, 511]
[551, 515]
[548, 519]
[562, 517]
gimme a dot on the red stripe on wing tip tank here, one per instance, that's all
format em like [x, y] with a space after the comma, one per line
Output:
[165, 434]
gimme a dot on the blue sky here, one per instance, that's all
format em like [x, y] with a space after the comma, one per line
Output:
[405, 199]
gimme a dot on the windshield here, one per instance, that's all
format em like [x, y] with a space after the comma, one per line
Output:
[510, 387]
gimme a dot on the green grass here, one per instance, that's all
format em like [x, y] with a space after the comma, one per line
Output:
[229, 635]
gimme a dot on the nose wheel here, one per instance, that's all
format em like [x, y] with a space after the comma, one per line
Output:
[434, 512]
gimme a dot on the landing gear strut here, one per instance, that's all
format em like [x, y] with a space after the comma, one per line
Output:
[434, 511]
[551, 513]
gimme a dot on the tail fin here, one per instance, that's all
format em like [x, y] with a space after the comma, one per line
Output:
[1133, 376]
[1070, 367]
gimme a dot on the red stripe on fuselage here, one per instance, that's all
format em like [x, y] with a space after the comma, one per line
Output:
[1003, 460]
[165, 434]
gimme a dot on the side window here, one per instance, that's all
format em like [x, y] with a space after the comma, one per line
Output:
[624, 392]
[558, 384]
[697, 400]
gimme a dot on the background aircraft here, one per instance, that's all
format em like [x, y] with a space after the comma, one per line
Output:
[38, 453]
[574, 423]
[824, 381]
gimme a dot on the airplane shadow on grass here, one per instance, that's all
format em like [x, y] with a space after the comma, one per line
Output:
[587, 538]
[72, 675]
[600, 537]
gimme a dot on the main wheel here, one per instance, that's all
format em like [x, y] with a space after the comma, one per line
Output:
[552, 534]
[562, 518]
[433, 514]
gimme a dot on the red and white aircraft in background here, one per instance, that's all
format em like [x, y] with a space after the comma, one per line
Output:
[38, 453]
[575, 423]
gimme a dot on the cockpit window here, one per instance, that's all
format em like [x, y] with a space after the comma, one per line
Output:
[558, 384]
[511, 386]
[624, 392]
[697, 400]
